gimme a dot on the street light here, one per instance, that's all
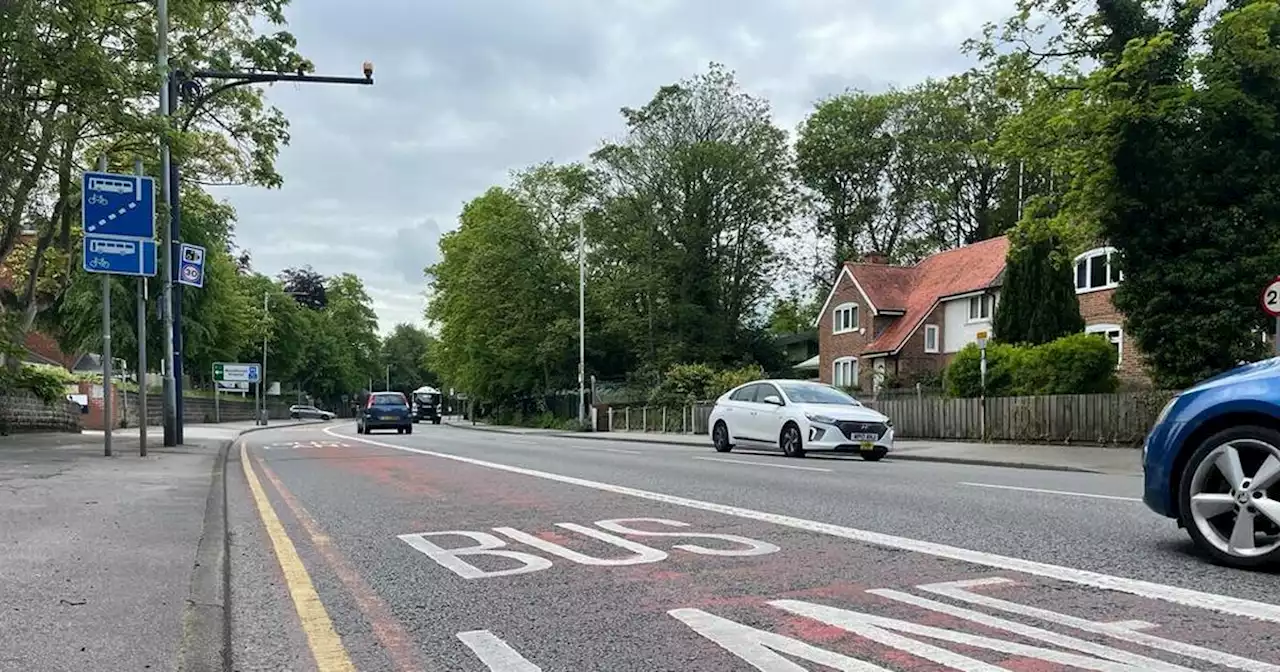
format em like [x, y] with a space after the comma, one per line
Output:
[187, 85]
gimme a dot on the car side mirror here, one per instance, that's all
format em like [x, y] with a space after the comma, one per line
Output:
[773, 399]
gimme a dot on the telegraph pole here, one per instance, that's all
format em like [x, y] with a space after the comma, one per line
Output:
[169, 390]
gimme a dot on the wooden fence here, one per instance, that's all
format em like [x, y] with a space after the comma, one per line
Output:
[1122, 418]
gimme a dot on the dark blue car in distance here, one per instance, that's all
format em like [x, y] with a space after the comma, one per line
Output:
[1212, 461]
[385, 410]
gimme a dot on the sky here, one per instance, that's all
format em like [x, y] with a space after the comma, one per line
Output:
[468, 90]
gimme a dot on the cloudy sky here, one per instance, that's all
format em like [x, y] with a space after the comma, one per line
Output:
[468, 90]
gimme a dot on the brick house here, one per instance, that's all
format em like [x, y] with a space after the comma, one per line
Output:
[883, 322]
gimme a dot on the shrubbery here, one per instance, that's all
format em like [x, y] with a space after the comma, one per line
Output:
[1075, 364]
[686, 383]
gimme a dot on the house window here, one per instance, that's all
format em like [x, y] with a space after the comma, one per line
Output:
[981, 307]
[1114, 335]
[844, 318]
[1096, 269]
[845, 372]
[931, 338]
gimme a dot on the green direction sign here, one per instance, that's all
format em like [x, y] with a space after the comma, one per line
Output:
[226, 372]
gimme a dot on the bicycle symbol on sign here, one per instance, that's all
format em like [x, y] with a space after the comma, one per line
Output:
[98, 199]
[99, 262]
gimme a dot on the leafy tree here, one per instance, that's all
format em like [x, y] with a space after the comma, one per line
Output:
[793, 314]
[1176, 169]
[698, 189]
[505, 302]
[76, 82]
[1038, 301]
[354, 324]
[404, 351]
[306, 286]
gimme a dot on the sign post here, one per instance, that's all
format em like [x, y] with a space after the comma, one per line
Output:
[1270, 300]
[118, 219]
[982, 382]
[233, 372]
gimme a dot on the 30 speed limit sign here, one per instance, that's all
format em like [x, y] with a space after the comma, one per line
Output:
[1271, 298]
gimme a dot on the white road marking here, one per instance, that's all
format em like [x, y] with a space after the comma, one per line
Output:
[1192, 598]
[761, 464]
[1042, 491]
[496, 654]
[620, 451]
[1126, 631]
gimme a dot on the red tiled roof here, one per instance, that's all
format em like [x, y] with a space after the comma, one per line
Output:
[915, 289]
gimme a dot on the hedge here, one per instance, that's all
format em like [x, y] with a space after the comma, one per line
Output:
[1075, 364]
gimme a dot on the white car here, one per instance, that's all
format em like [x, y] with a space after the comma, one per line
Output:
[798, 416]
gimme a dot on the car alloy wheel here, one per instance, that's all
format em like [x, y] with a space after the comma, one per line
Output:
[792, 445]
[720, 438]
[1230, 496]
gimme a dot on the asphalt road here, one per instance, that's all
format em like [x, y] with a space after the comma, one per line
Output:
[454, 549]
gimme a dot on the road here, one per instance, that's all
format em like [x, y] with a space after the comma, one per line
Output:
[454, 549]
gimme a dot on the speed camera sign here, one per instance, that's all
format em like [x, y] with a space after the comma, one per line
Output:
[1271, 298]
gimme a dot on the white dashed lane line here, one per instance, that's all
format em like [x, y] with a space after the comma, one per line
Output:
[1062, 493]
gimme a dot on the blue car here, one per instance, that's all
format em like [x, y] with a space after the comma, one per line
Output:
[1212, 461]
[385, 410]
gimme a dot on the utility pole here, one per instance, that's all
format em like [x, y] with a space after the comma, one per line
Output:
[582, 321]
[175, 84]
[169, 390]
[108, 393]
[142, 350]
[262, 412]
[386, 383]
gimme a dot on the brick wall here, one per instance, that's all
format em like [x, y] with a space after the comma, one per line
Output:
[199, 409]
[913, 360]
[849, 344]
[1097, 308]
[25, 412]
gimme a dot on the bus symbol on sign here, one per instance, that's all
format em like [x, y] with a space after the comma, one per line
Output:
[112, 247]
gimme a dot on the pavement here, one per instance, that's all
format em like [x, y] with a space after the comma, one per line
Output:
[1089, 459]
[459, 550]
[99, 557]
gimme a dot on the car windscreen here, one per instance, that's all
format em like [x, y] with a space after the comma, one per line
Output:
[810, 393]
[426, 398]
[388, 400]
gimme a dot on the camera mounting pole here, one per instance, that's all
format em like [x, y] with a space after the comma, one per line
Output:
[175, 85]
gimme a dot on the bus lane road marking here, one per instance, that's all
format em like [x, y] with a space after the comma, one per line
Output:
[1172, 594]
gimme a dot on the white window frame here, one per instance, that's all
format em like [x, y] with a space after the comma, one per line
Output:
[852, 309]
[1089, 259]
[981, 302]
[932, 329]
[1106, 330]
[852, 363]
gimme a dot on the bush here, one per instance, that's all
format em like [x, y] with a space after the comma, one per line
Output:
[49, 383]
[964, 375]
[1075, 364]
[687, 383]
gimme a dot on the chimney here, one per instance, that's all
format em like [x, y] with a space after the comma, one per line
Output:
[875, 258]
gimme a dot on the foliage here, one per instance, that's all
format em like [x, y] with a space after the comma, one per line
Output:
[306, 286]
[1075, 364]
[77, 82]
[49, 383]
[1038, 301]
[504, 300]
[688, 383]
[793, 314]
[1166, 132]
[404, 353]
[964, 374]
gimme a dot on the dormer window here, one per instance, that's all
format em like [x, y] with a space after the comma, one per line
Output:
[1096, 269]
[844, 318]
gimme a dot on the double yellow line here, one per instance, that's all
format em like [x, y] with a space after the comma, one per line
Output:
[326, 645]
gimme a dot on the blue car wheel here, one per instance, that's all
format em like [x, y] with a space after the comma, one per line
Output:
[1229, 496]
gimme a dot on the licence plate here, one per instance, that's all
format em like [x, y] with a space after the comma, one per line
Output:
[387, 417]
[866, 445]
[865, 438]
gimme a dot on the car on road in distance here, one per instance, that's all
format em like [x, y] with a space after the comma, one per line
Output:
[299, 411]
[385, 410]
[1212, 461]
[426, 404]
[797, 416]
